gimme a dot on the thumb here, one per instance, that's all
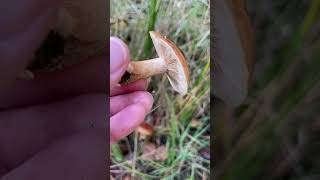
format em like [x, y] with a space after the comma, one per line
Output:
[119, 60]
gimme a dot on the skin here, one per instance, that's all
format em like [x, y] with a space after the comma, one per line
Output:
[54, 127]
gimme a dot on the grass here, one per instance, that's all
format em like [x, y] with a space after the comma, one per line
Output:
[177, 148]
[272, 135]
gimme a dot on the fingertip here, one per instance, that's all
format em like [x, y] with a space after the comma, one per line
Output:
[123, 123]
[118, 46]
[146, 100]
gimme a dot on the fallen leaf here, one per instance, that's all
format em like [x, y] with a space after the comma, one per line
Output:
[151, 152]
[161, 153]
[195, 123]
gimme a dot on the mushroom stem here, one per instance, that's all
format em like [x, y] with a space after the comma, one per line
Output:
[147, 68]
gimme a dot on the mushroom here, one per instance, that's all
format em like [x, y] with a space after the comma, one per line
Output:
[145, 129]
[233, 52]
[171, 61]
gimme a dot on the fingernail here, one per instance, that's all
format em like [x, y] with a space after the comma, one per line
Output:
[147, 84]
[119, 54]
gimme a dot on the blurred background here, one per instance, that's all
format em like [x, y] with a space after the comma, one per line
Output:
[275, 133]
[179, 147]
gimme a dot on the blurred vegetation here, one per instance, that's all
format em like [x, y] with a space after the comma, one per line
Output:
[179, 147]
[275, 134]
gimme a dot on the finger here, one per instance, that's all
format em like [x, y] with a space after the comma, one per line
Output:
[119, 60]
[125, 121]
[88, 77]
[120, 102]
[79, 156]
[124, 89]
[37, 126]
[22, 33]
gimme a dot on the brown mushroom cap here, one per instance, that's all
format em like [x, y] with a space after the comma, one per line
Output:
[177, 70]
[233, 54]
[145, 129]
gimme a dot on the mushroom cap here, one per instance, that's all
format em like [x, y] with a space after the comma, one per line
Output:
[145, 129]
[233, 51]
[178, 72]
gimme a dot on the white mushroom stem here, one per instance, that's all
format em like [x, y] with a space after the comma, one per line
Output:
[146, 68]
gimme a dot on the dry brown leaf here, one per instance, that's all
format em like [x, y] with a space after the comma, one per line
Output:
[195, 123]
[151, 152]
[149, 148]
[127, 177]
[161, 153]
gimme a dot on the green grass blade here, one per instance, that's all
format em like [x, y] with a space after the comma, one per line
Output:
[116, 152]
[148, 45]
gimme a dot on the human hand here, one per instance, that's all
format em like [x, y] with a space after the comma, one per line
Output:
[129, 104]
[54, 126]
